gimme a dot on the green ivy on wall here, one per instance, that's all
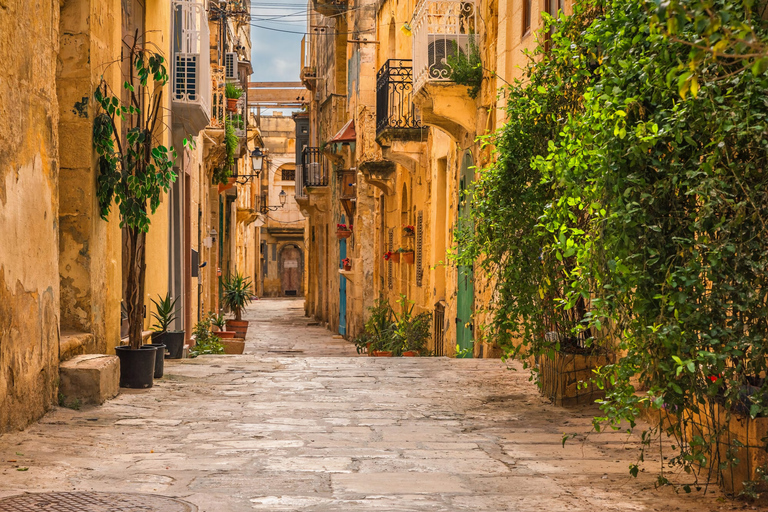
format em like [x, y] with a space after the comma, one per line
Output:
[628, 198]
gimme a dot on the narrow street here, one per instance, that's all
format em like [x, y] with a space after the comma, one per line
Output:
[302, 423]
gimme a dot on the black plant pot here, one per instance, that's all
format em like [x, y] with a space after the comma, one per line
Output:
[174, 342]
[159, 357]
[137, 367]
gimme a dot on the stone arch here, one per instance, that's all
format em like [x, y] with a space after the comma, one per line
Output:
[291, 277]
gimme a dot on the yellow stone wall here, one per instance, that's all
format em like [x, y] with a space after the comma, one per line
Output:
[29, 296]
[424, 173]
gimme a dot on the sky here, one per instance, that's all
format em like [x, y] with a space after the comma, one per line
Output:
[277, 27]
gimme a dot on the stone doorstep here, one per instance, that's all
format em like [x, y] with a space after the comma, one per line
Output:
[72, 344]
[90, 378]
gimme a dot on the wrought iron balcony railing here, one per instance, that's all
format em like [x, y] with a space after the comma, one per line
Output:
[394, 96]
[314, 167]
[441, 29]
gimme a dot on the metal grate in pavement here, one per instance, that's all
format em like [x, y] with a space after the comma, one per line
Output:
[93, 502]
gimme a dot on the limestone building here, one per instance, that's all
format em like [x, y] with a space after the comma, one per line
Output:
[61, 266]
[392, 149]
[281, 247]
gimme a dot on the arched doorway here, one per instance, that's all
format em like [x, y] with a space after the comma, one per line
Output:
[291, 268]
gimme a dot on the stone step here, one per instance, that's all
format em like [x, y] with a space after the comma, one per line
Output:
[89, 378]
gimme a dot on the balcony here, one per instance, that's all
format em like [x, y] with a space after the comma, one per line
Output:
[191, 67]
[347, 182]
[218, 98]
[330, 7]
[314, 167]
[300, 194]
[441, 28]
[395, 113]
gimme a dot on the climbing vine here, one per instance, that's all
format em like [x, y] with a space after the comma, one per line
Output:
[629, 193]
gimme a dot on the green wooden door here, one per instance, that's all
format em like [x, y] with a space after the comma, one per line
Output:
[466, 290]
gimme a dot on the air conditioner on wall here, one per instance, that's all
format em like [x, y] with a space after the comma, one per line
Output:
[230, 65]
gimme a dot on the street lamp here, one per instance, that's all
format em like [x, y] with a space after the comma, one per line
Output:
[257, 161]
[282, 196]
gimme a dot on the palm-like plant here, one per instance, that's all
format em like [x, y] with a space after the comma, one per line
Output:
[237, 294]
[165, 312]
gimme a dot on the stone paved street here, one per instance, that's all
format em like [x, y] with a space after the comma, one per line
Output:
[301, 423]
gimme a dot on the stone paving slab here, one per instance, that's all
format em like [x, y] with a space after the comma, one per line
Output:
[322, 429]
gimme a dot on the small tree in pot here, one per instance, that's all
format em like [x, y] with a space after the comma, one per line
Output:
[237, 295]
[134, 170]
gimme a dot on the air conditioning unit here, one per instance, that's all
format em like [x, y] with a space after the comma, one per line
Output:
[186, 80]
[230, 65]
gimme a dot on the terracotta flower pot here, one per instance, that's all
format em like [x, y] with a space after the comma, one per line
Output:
[408, 258]
[395, 258]
[382, 353]
[343, 233]
[232, 104]
[226, 334]
[347, 268]
[410, 353]
[239, 326]
[234, 346]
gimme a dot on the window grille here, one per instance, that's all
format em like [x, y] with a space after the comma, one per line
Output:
[419, 248]
[288, 175]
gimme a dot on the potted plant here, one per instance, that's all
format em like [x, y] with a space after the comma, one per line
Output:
[409, 230]
[343, 231]
[205, 341]
[377, 337]
[164, 315]
[134, 171]
[394, 257]
[411, 332]
[233, 93]
[406, 255]
[217, 321]
[237, 295]
[347, 264]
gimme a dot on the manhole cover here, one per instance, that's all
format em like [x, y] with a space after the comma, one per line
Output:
[93, 502]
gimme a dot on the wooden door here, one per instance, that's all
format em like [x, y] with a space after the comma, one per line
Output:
[290, 270]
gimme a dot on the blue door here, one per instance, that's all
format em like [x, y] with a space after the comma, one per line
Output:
[342, 287]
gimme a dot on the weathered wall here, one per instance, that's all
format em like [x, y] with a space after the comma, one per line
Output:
[89, 248]
[158, 22]
[29, 274]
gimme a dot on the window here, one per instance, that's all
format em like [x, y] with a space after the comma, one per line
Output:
[553, 7]
[288, 174]
[526, 16]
